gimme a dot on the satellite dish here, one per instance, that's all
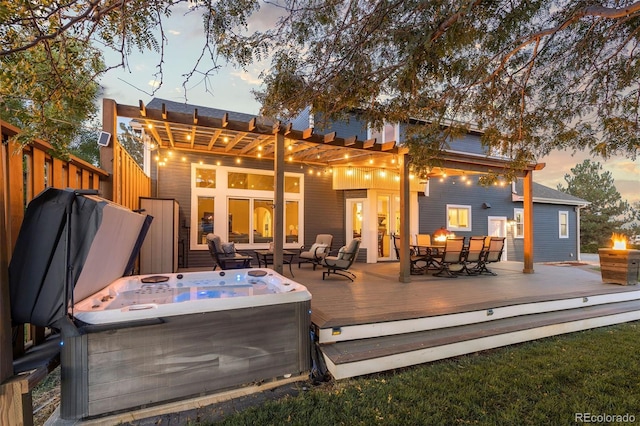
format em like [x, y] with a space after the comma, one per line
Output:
[104, 139]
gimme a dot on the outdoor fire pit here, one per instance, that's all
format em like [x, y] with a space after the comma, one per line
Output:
[619, 265]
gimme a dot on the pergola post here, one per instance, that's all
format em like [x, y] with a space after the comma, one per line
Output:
[528, 221]
[278, 209]
[405, 220]
[109, 125]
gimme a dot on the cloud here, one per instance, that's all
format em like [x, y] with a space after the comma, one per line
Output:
[174, 32]
[154, 83]
[625, 173]
[248, 77]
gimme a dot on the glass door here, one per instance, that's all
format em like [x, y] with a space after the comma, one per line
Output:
[384, 227]
[497, 226]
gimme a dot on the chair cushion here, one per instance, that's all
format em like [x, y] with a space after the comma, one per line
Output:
[341, 252]
[317, 248]
[335, 262]
[229, 248]
[324, 239]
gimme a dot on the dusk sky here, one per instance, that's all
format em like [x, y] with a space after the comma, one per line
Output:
[230, 89]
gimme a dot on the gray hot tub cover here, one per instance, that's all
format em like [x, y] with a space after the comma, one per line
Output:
[104, 240]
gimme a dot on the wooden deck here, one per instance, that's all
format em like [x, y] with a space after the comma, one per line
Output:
[377, 323]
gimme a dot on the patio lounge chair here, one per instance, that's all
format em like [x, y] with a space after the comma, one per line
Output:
[317, 251]
[341, 263]
[225, 255]
[452, 261]
[491, 255]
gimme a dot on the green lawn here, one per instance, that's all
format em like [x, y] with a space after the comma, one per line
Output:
[546, 382]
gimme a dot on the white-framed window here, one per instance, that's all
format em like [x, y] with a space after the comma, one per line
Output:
[518, 217]
[238, 205]
[458, 217]
[563, 224]
[389, 132]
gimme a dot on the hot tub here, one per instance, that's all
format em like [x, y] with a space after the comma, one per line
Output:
[145, 340]
[132, 341]
[149, 296]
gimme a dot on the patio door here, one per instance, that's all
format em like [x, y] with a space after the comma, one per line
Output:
[497, 227]
[387, 224]
[356, 221]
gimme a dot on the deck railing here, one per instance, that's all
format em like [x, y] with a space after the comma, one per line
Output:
[129, 180]
[26, 171]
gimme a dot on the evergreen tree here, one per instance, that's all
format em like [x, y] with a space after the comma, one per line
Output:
[86, 147]
[607, 212]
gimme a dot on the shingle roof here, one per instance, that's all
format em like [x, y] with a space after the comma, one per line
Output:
[156, 103]
[544, 194]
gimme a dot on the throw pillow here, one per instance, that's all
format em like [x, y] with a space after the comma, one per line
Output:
[229, 248]
[341, 252]
[317, 249]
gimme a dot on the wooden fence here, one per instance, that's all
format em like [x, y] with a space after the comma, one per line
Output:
[24, 173]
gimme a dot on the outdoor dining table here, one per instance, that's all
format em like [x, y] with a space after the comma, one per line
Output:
[430, 253]
[266, 256]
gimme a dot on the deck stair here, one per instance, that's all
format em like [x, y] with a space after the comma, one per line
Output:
[368, 348]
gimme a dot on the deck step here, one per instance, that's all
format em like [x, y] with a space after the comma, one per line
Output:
[365, 356]
[488, 313]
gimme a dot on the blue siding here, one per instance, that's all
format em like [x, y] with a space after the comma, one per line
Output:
[301, 122]
[547, 245]
[470, 144]
[352, 126]
[453, 191]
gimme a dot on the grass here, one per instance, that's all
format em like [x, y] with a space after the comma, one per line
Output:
[547, 381]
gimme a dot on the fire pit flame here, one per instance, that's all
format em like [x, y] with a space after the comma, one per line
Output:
[619, 241]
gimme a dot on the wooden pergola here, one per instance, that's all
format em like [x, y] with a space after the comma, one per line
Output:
[227, 134]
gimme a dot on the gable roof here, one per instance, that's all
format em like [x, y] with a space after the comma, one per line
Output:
[544, 194]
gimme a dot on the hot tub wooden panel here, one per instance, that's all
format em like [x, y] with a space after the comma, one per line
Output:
[129, 367]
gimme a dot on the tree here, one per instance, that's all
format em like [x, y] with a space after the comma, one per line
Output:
[86, 147]
[130, 140]
[607, 212]
[51, 59]
[534, 75]
[49, 103]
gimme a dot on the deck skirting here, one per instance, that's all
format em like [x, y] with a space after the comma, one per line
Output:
[405, 359]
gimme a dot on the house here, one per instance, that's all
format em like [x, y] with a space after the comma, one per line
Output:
[228, 186]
